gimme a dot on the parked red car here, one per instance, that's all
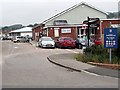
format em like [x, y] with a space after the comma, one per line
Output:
[65, 42]
[98, 41]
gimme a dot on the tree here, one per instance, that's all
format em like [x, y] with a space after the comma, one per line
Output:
[113, 15]
[30, 25]
[35, 24]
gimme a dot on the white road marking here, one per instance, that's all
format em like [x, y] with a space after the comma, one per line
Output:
[90, 73]
[97, 74]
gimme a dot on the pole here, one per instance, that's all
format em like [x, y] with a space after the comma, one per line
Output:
[110, 50]
[110, 56]
[101, 28]
[88, 30]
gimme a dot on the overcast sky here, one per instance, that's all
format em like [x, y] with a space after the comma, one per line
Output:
[36, 11]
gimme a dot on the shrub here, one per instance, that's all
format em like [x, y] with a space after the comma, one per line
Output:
[115, 60]
[117, 51]
[99, 54]
[78, 57]
[95, 50]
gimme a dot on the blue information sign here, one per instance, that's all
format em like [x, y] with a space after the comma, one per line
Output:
[110, 38]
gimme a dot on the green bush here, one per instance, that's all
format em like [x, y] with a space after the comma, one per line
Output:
[95, 50]
[117, 51]
[100, 54]
[97, 54]
[115, 60]
[81, 57]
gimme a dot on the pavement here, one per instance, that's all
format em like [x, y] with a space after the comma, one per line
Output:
[34, 43]
[68, 61]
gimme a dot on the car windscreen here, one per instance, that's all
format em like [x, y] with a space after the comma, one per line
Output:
[47, 39]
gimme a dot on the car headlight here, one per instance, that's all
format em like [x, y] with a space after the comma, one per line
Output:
[53, 43]
[43, 43]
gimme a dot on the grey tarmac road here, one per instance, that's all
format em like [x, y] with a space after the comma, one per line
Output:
[25, 66]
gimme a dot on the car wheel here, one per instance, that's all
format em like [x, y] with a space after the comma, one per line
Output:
[40, 46]
[56, 46]
[18, 41]
[80, 46]
[61, 46]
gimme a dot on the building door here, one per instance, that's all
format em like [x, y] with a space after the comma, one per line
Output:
[56, 32]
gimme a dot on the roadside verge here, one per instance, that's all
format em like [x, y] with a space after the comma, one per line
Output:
[67, 61]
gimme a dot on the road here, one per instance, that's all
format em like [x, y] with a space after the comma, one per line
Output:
[25, 66]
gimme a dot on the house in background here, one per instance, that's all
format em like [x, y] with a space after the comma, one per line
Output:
[26, 31]
[68, 22]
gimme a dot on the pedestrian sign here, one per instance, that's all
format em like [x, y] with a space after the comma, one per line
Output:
[110, 38]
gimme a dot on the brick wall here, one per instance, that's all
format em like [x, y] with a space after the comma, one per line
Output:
[73, 33]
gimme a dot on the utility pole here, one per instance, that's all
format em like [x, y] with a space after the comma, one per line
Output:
[88, 30]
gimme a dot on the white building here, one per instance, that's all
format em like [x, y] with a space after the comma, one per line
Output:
[26, 31]
[71, 17]
[77, 14]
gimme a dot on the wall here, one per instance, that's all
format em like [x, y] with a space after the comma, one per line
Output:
[79, 14]
[26, 33]
[106, 23]
[72, 34]
[35, 33]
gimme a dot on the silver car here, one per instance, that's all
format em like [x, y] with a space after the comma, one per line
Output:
[46, 42]
[20, 39]
[80, 42]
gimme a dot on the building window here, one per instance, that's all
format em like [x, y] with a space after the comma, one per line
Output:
[60, 22]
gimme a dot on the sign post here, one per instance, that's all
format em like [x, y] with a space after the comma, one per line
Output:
[88, 30]
[110, 56]
[110, 39]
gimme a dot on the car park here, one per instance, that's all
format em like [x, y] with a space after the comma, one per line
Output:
[65, 42]
[20, 39]
[47, 42]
